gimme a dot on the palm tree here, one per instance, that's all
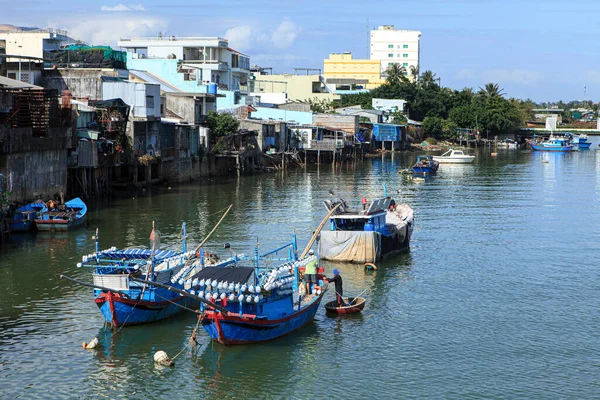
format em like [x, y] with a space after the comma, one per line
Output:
[490, 91]
[395, 74]
[414, 71]
[427, 77]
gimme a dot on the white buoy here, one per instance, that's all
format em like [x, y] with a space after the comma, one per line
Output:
[249, 299]
[220, 286]
[193, 292]
[231, 297]
[202, 283]
[314, 291]
[241, 297]
[223, 295]
[243, 288]
[231, 287]
[319, 291]
[161, 358]
[208, 296]
[201, 293]
[256, 299]
[92, 344]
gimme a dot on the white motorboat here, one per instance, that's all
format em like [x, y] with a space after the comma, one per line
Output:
[454, 157]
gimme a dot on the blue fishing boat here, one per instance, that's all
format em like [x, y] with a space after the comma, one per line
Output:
[379, 229]
[553, 143]
[24, 218]
[62, 217]
[581, 142]
[258, 303]
[425, 165]
[124, 301]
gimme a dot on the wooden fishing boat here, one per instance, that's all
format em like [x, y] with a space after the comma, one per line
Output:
[553, 143]
[62, 217]
[425, 165]
[355, 305]
[264, 304]
[24, 218]
[124, 301]
[380, 229]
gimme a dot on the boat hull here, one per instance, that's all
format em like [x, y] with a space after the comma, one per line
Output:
[332, 307]
[584, 146]
[449, 160]
[120, 311]
[232, 329]
[20, 226]
[58, 225]
[539, 147]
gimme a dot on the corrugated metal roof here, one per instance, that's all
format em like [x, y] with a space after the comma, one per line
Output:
[15, 84]
[148, 77]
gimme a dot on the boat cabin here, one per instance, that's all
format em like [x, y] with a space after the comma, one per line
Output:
[371, 218]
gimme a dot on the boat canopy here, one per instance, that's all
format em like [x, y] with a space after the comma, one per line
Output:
[227, 274]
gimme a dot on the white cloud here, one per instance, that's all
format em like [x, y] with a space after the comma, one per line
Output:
[464, 74]
[105, 30]
[250, 37]
[521, 76]
[123, 7]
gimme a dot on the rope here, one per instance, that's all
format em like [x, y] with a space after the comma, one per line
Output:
[177, 304]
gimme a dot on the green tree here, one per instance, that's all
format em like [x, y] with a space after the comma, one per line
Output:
[396, 74]
[222, 124]
[490, 90]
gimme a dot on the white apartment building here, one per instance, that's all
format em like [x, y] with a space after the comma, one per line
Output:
[199, 60]
[390, 46]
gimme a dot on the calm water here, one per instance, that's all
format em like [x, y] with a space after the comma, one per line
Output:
[497, 298]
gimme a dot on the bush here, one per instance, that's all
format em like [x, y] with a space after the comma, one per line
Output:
[431, 140]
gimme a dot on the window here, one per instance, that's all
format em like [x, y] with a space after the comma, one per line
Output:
[390, 46]
[390, 64]
[405, 55]
[405, 64]
[149, 101]
[405, 46]
[390, 55]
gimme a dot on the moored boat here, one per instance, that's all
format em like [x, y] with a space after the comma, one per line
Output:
[380, 229]
[354, 305]
[124, 301]
[581, 142]
[62, 217]
[425, 165]
[553, 143]
[259, 303]
[454, 157]
[24, 218]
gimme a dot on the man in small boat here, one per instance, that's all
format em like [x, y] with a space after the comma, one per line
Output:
[310, 273]
[339, 290]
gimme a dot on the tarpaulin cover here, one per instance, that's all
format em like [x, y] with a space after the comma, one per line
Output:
[349, 246]
[226, 274]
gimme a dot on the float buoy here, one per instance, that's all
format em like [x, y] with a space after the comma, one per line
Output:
[92, 344]
[370, 266]
[161, 358]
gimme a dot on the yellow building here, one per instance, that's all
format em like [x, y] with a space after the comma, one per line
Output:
[281, 88]
[342, 69]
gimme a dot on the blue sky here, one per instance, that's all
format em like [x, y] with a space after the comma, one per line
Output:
[540, 49]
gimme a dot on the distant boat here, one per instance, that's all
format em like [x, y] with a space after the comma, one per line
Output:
[62, 217]
[508, 144]
[454, 157]
[581, 142]
[554, 143]
[24, 218]
[425, 165]
[380, 229]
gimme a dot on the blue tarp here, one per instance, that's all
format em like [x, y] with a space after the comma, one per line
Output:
[387, 132]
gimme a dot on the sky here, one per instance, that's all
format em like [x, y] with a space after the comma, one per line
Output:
[545, 50]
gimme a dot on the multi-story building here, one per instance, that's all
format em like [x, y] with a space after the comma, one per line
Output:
[348, 74]
[283, 88]
[28, 47]
[395, 46]
[192, 64]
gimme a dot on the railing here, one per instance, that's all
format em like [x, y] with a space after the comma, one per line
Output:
[326, 144]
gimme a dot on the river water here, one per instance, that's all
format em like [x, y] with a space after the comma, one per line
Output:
[498, 296]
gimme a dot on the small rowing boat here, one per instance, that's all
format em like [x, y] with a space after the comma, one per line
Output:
[62, 217]
[355, 305]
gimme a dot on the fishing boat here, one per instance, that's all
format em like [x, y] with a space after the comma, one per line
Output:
[380, 229]
[258, 303]
[508, 144]
[553, 143]
[24, 218]
[581, 142]
[62, 217]
[425, 165]
[454, 157]
[354, 305]
[124, 301]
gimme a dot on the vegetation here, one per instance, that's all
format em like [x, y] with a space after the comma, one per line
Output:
[442, 110]
[320, 105]
[221, 124]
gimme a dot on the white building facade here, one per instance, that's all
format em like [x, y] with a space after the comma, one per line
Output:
[200, 60]
[391, 46]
